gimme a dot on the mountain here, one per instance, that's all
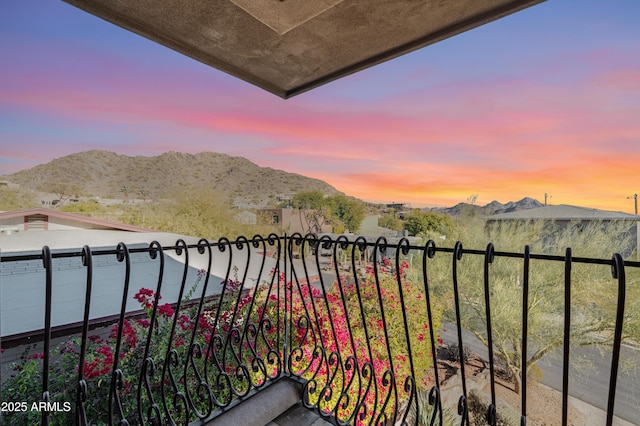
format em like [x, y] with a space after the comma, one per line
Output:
[493, 207]
[104, 174]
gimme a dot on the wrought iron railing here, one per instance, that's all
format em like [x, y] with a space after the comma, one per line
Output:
[194, 330]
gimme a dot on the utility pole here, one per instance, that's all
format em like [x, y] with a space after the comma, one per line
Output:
[545, 198]
[635, 201]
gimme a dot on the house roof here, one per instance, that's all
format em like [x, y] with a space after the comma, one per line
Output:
[290, 46]
[23, 242]
[23, 280]
[72, 217]
[564, 212]
[23, 291]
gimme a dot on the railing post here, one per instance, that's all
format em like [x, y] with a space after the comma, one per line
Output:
[117, 379]
[403, 246]
[434, 394]
[388, 376]
[617, 271]
[286, 318]
[148, 365]
[46, 261]
[567, 337]
[462, 403]
[195, 349]
[488, 260]
[525, 327]
[171, 355]
[81, 391]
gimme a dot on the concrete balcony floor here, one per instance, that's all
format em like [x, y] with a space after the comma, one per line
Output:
[298, 415]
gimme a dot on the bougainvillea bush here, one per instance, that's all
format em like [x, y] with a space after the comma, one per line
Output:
[362, 345]
[26, 383]
[175, 361]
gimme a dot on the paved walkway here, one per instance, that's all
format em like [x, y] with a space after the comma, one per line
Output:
[594, 415]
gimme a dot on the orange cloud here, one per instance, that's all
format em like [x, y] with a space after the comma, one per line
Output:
[574, 135]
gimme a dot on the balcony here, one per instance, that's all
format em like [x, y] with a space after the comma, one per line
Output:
[358, 331]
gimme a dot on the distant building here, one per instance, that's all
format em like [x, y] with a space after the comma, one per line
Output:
[399, 206]
[10, 185]
[42, 219]
[247, 218]
[22, 290]
[50, 200]
[564, 214]
[284, 198]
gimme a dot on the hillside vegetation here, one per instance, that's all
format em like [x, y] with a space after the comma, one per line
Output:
[105, 174]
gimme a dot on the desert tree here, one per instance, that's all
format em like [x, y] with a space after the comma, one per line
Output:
[313, 210]
[316, 209]
[62, 190]
[126, 190]
[347, 211]
[593, 291]
[144, 194]
[424, 223]
[389, 220]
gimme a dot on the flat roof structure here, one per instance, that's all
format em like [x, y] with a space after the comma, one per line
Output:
[564, 212]
[22, 274]
[43, 218]
[288, 47]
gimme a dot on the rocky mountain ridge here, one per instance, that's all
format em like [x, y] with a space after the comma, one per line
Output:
[494, 207]
[106, 174]
[244, 184]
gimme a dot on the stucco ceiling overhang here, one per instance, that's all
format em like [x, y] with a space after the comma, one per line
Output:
[290, 46]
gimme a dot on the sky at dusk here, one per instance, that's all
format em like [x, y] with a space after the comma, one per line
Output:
[543, 101]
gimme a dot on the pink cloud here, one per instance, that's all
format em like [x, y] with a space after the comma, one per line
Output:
[509, 136]
[623, 80]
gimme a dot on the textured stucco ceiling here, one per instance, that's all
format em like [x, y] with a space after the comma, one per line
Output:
[284, 15]
[290, 46]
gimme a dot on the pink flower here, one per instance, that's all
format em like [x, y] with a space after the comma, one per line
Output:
[145, 323]
[128, 332]
[184, 322]
[39, 355]
[166, 310]
[145, 297]
[100, 365]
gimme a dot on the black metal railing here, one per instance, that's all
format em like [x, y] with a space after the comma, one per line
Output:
[195, 329]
